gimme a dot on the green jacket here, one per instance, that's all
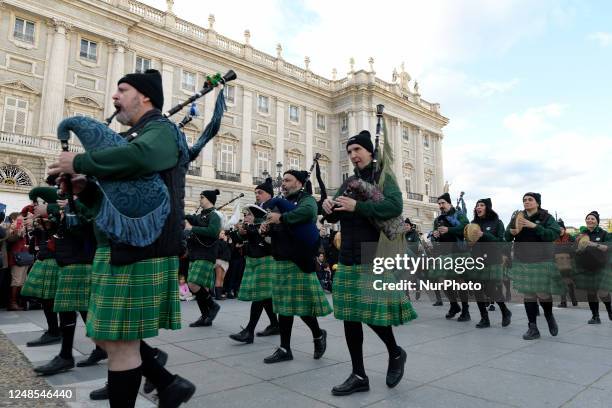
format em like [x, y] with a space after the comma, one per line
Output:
[213, 229]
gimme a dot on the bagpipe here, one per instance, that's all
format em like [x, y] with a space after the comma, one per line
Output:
[196, 220]
[134, 211]
[370, 190]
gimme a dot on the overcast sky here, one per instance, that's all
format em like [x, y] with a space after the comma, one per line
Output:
[527, 85]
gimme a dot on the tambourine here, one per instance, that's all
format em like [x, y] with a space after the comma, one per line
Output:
[471, 233]
[514, 221]
[582, 242]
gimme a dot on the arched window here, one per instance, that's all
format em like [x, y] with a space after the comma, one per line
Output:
[12, 175]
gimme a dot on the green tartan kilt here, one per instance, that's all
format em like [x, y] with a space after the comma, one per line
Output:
[356, 300]
[73, 286]
[537, 277]
[134, 301]
[257, 280]
[490, 273]
[41, 282]
[202, 273]
[441, 273]
[295, 293]
[602, 280]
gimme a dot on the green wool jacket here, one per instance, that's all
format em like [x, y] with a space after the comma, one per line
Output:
[305, 212]
[548, 231]
[214, 225]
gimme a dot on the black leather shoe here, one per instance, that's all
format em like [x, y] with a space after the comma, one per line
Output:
[595, 320]
[552, 325]
[438, 303]
[57, 365]
[506, 318]
[45, 340]
[320, 345]
[351, 385]
[179, 391]
[230, 295]
[199, 323]
[532, 333]
[243, 337]
[212, 313]
[395, 371]
[99, 394]
[278, 356]
[483, 323]
[464, 316]
[162, 359]
[454, 309]
[269, 331]
[562, 304]
[96, 356]
[491, 308]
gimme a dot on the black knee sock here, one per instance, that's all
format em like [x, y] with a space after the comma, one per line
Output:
[155, 372]
[594, 306]
[201, 300]
[547, 307]
[482, 307]
[313, 325]
[256, 310]
[572, 292]
[531, 308]
[51, 318]
[386, 335]
[503, 307]
[270, 312]
[210, 302]
[353, 333]
[67, 327]
[285, 324]
[608, 305]
[123, 387]
[465, 307]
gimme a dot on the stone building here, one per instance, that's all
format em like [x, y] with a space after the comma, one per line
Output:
[63, 57]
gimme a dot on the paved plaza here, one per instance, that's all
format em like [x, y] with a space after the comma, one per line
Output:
[450, 364]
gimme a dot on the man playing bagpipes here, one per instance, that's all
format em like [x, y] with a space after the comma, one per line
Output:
[75, 246]
[203, 231]
[134, 289]
[364, 205]
[448, 242]
[258, 277]
[295, 288]
[41, 282]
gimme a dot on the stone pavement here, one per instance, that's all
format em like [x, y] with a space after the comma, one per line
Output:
[450, 364]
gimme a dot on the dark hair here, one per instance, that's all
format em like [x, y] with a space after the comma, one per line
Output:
[490, 214]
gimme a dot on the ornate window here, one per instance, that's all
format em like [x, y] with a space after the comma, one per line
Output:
[321, 125]
[89, 50]
[405, 134]
[294, 113]
[188, 81]
[294, 162]
[344, 125]
[263, 104]
[12, 175]
[227, 158]
[230, 94]
[24, 30]
[142, 64]
[15, 115]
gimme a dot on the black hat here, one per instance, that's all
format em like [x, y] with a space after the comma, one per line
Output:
[266, 186]
[407, 221]
[561, 223]
[487, 202]
[211, 195]
[536, 196]
[363, 139]
[149, 84]
[301, 175]
[445, 197]
[594, 214]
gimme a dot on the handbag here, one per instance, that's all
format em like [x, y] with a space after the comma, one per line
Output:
[24, 258]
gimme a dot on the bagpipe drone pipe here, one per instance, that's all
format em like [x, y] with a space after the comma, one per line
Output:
[134, 211]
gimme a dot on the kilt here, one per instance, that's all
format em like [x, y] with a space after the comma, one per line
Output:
[601, 280]
[73, 286]
[355, 298]
[537, 277]
[134, 301]
[490, 273]
[202, 273]
[257, 280]
[295, 293]
[41, 282]
[441, 273]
